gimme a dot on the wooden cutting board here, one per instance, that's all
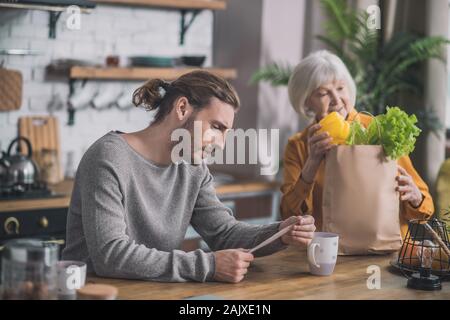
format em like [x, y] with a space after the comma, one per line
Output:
[43, 133]
[10, 89]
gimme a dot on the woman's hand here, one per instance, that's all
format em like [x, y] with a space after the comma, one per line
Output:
[408, 189]
[318, 146]
[301, 233]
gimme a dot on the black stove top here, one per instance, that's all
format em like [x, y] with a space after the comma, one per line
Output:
[31, 191]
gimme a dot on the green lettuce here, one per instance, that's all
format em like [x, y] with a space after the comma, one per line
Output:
[358, 134]
[395, 131]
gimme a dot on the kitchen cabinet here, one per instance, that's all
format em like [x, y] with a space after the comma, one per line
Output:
[46, 224]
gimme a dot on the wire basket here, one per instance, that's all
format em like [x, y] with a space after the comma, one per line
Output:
[425, 253]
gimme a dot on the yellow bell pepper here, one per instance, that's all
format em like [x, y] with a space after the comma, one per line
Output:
[336, 126]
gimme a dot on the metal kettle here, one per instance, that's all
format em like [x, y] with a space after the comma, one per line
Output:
[22, 169]
[4, 167]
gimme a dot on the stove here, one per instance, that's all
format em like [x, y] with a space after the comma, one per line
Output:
[32, 191]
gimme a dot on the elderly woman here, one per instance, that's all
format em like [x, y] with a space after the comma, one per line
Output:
[319, 85]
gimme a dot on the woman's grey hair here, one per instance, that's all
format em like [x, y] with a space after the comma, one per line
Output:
[316, 69]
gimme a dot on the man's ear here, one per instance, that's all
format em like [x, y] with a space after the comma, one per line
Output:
[182, 108]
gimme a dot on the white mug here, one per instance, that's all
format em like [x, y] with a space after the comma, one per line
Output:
[106, 95]
[83, 95]
[322, 253]
[71, 276]
[124, 101]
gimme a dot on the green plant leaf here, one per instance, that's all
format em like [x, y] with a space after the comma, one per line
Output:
[276, 74]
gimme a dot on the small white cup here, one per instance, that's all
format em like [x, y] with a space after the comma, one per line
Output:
[124, 101]
[322, 253]
[71, 276]
[106, 96]
[83, 95]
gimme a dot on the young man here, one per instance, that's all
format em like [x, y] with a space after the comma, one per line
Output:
[131, 204]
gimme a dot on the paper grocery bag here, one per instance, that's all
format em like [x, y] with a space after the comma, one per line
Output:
[360, 202]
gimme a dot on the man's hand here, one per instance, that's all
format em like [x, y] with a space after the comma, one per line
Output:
[231, 265]
[301, 233]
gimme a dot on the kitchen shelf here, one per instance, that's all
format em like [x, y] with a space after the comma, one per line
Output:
[40, 7]
[139, 73]
[19, 52]
[175, 4]
[184, 6]
[53, 10]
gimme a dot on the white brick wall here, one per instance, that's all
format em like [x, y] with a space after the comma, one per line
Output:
[122, 31]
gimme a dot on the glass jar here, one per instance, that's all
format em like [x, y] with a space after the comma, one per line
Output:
[29, 270]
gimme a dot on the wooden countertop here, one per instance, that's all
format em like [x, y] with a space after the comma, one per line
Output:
[65, 189]
[285, 275]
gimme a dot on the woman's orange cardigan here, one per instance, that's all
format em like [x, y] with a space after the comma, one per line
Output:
[302, 198]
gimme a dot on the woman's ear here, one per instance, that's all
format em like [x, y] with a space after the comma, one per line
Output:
[182, 108]
[307, 109]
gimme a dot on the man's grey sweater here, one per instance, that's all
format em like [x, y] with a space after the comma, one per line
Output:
[128, 217]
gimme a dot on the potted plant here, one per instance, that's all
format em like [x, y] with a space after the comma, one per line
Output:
[381, 69]
[445, 217]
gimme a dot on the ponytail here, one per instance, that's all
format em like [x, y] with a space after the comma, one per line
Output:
[151, 94]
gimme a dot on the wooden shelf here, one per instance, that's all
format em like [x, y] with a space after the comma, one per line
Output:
[174, 4]
[40, 7]
[54, 11]
[137, 73]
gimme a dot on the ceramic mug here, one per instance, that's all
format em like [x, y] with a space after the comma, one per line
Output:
[71, 276]
[106, 96]
[322, 253]
[124, 101]
[83, 95]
